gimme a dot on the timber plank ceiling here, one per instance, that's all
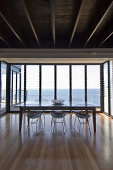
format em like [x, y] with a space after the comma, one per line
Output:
[56, 24]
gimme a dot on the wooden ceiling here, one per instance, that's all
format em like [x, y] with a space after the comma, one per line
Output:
[56, 24]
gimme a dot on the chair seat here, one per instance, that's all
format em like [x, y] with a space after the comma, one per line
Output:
[82, 115]
[58, 114]
[34, 115]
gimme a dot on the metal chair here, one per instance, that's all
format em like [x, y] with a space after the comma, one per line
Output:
[35, 116]
[83, 118]
[58, 115]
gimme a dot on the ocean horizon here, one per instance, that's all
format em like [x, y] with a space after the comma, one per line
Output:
[78, 95]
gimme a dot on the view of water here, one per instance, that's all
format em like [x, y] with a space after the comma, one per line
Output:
[78, 96]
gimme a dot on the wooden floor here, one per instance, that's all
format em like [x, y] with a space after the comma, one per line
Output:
[71, 151]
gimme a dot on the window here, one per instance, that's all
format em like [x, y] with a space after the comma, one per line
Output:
[78, 84]
[63, 82]
[47, 83]
[15, 88]
[32, 83]
[18, 87]
[106, 87]
[93, 84]
[3, 88]
[111, 88]
[22, 83]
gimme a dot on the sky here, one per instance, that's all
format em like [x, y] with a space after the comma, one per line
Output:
[93, 77]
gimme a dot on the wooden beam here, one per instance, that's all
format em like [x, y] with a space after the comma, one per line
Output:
[99, 23]
[76, 22]
[53, 20]
[31, 24]
[11, 28]
[106, 39]
[5, 42]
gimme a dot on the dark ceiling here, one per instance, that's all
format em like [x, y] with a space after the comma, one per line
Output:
[56, 23]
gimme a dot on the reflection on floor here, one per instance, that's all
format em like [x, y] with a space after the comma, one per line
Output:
[56, 151]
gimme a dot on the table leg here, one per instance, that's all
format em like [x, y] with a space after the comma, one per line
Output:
[94, 120]
[20, 120]
[28, 121]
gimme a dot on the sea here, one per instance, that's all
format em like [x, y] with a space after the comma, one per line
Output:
[78, 96]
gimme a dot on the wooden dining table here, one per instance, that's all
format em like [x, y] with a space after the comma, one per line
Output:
[49, 106]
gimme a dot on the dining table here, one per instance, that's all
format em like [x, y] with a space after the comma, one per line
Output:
[50, 106]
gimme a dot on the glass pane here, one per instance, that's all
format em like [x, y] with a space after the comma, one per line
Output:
[32, 83]
[93, 84]
[17, 73]
[11, 91]
[22, 83]
[3, 88]
[111, 87]
[47, 83]
[18, 86]
[63, 82]
[106, 87]
[78, 84]
[14, 87]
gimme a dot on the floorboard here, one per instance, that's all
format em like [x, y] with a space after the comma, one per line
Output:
[76, 150]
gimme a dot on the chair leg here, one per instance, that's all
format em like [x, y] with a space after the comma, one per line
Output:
[40, 124]
[44, 117]
[52, 128]
[89, 126]
[64, 125]
[28, 121]
[64, 122]
[75, 121]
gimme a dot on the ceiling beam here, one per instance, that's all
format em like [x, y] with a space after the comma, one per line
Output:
[99, 23]
[31, 24]
[11, 28]
[105, 39]
[53, 20]
[76, 22]
[5, 42]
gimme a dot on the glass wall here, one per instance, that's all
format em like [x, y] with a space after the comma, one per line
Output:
[15, 87]
[78, 84]
[63, 82]
[111, 87]
[47, 83]
[32, 83]
[18, 87]
[93, 84]
[42, 80]
[106, 87]
[22, 84]
[3, 72]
